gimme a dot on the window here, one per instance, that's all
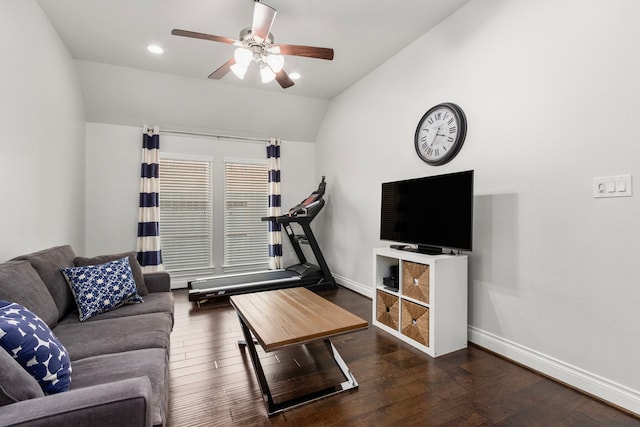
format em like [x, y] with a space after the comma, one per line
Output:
[186, 214]
[212, 225]
[246, 201]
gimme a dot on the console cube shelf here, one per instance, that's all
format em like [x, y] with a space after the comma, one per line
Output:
[429, 310]
[387, 309]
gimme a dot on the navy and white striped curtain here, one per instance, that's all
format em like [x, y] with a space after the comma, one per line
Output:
[275, 233]
[148, 243]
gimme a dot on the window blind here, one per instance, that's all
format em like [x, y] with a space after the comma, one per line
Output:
[246, 236]
[186, 214]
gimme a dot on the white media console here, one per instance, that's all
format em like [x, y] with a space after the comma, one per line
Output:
[429, 309]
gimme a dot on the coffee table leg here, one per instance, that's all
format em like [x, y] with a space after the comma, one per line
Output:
[257, 367]
[351, 380]
[274, 408]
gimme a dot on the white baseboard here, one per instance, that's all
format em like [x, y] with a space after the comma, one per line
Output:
[588, 382]
[354, 286]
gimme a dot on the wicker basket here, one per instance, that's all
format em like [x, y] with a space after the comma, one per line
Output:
[415, 281]
[415, 322]
[387, 310]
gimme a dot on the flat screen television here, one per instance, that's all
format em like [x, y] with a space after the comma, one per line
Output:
[433, 212]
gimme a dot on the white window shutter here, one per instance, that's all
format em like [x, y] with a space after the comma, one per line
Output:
[186, 214]
[246, 201]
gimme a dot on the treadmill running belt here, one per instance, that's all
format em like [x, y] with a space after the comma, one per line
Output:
[221, 284]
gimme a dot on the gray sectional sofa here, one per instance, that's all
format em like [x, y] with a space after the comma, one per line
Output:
[119, 359]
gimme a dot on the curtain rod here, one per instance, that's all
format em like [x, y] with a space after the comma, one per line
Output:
[211, 135]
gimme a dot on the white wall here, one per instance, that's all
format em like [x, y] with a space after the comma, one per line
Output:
[551, 92]
[42, 140]
[113, 179]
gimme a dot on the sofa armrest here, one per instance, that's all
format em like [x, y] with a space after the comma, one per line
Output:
[125, 403]
[158, 281]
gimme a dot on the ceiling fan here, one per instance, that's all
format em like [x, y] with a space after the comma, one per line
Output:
[256, 45]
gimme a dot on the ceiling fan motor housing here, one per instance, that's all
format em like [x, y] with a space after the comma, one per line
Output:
[245, 35]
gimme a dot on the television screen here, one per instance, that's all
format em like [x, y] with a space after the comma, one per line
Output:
[434, 211]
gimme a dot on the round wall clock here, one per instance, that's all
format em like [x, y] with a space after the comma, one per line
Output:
[440, 133]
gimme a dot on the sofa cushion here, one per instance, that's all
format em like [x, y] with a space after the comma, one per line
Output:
[29, 340]
[138, 276]
[15, 382]
[155, 302]
[151, 363]
[20, 283]
[47, 263]
[103, 287]
[84, 339]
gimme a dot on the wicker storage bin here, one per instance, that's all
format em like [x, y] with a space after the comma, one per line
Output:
[387, 310]
[415, 281]
[415, 322]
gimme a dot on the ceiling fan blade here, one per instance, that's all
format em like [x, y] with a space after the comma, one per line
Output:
[283, 78]
[263, 17]
[223, 70]
[194, 35]
[308, 51]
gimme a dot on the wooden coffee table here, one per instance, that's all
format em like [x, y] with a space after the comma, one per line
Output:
[290, 317]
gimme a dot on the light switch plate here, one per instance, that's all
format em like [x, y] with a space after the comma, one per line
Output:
[612, 186]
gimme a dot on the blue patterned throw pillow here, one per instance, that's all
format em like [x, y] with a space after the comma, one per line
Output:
[103, 287]
[34, 346]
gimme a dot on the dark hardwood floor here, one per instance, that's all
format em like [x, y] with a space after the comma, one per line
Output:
[213, 384]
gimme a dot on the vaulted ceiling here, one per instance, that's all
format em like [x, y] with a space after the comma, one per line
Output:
[362, 33]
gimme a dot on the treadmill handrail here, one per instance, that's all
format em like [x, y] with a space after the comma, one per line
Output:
[286, 219]
[309, 213]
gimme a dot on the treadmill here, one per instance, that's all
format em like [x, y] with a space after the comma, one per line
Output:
[314, 277]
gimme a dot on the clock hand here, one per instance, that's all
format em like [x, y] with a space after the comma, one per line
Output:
[435, 135]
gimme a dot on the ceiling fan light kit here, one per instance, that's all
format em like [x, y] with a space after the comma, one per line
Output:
[266, 74]
[243, 56]
[275, 62]
[256, 45]
[238, 70]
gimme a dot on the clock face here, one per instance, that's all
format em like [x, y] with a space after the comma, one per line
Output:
[440, 133]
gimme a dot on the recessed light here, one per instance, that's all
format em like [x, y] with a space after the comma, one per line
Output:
[294, 76]
[154, 48]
